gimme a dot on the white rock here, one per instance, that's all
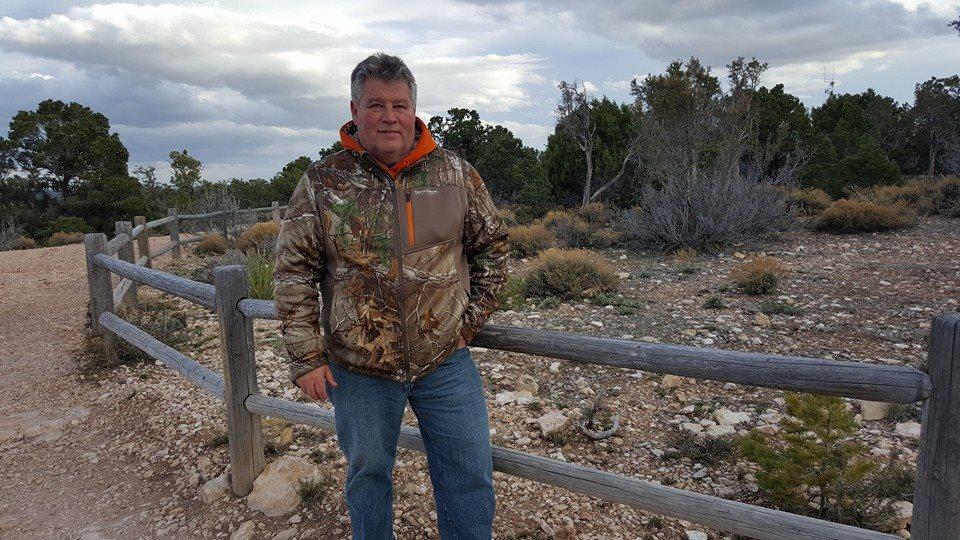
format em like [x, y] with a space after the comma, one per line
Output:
[691, 427]
[214, 489]
[244, 531]
[874, 410]
[696, 535]
[670, 381]
[275, 490]
[726, 417]
[902, 514]
[554, 367]
[908, 429]
[553, 422]
[771, 418]
[720, 431]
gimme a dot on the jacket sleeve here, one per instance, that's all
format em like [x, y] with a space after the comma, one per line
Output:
[298, 268]
[485, 241]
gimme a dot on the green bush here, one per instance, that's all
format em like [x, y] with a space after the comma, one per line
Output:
[512, 294]
[714, 302]
[569, 274]
[69, 224]
[528, 240]
[23, 243]
[816, 448]
[774, 307]
[857, 216]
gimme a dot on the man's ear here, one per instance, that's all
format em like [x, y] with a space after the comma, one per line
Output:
[353, 110]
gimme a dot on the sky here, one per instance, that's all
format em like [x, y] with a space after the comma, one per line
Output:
[248, 85]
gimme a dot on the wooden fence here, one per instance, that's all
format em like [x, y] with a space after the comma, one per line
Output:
[936, 500]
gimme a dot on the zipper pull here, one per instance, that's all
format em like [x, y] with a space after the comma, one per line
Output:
[409, 207]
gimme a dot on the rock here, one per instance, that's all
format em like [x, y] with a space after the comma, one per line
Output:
[768, 429]
[275, 490]
[761, 320]
[726, 417]
[720, 431]
[902, 514]
[214, 489]
[244, 531]
[553, 422]
[691, 427]
[874, 410]
[908, 429]
[521, 397]
[670, 381]
[771, 418]
[707, 341]
[528, 383]
[623, 275]
[554, 367]
[739, 255]
[696, 535]
[286, 534]
[598, 324]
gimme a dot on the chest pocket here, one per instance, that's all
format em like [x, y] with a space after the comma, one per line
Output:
[429, 215]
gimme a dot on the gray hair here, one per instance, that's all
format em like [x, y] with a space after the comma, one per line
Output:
[384, 67]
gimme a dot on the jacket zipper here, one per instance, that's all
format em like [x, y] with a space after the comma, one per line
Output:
[403, 321]
[409, 207]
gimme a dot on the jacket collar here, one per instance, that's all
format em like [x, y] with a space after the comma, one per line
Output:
[423, 145]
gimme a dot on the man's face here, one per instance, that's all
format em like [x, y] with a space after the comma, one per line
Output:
[385, 119]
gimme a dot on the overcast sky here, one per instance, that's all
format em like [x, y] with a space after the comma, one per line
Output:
[248, 85]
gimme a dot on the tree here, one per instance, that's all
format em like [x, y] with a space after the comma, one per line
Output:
[576, 119]
[937, 111]
[955, 23]
[462, 132]
[186, 173]
[61, 145]
[330, 150]
[283, 182]
[782, 125]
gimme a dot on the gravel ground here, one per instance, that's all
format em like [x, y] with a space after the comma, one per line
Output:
[151, 440]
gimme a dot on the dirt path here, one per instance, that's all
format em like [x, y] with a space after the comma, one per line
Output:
[61, 475]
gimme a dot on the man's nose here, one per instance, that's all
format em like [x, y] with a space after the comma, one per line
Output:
[389, 115]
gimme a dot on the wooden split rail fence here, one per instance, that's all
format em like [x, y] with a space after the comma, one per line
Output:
[937, 496]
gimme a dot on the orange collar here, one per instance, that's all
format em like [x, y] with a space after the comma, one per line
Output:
[424, 146]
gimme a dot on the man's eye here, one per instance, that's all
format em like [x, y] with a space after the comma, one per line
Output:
[376, 106]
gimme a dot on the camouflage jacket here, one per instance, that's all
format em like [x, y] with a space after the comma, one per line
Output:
[407, 259]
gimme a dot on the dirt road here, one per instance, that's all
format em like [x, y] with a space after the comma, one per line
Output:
[60, 473]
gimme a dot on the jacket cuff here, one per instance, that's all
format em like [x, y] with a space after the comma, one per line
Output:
[299, 368]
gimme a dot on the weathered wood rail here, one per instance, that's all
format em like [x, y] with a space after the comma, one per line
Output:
[937, 498]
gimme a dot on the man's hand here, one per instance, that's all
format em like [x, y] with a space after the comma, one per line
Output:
[313, 384]
[462, 343]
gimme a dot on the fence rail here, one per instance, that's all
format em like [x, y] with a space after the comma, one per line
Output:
[937, 503]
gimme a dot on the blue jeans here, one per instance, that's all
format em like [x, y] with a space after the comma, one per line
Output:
[452, 412]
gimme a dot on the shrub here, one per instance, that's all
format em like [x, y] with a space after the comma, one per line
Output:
[774, 307]
[856, 216]
[262, 236]
[709, 211]
[816, 448]
[811, 201]
[596, 213]
[513, 293]
[260, 272]
[569, 274]
[508, 215]
[10, 233]
[758, 276]
[23, 243]
[528, 240]
[64, 238]
[923, 196]
[69, 224]
[311, 490]
[570, 230]
[710, 451]
[714, 302]
[212, 244]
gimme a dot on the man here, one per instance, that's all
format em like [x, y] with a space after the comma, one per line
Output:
[409, 253]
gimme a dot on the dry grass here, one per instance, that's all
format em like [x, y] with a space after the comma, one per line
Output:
[212, 244]
[596, 213]
[261, 235]
[758, 276]
[857, 216]
[23, 243]
[64, 238]
[569, 274]
[810, 202]
[528, 240]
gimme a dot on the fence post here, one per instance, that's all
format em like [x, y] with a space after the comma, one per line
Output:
[126, 254]
[143, 240]
[101, 292]
[275, 211]
[223, 226]
[937, 496]
[239, 377]
[174, 228]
